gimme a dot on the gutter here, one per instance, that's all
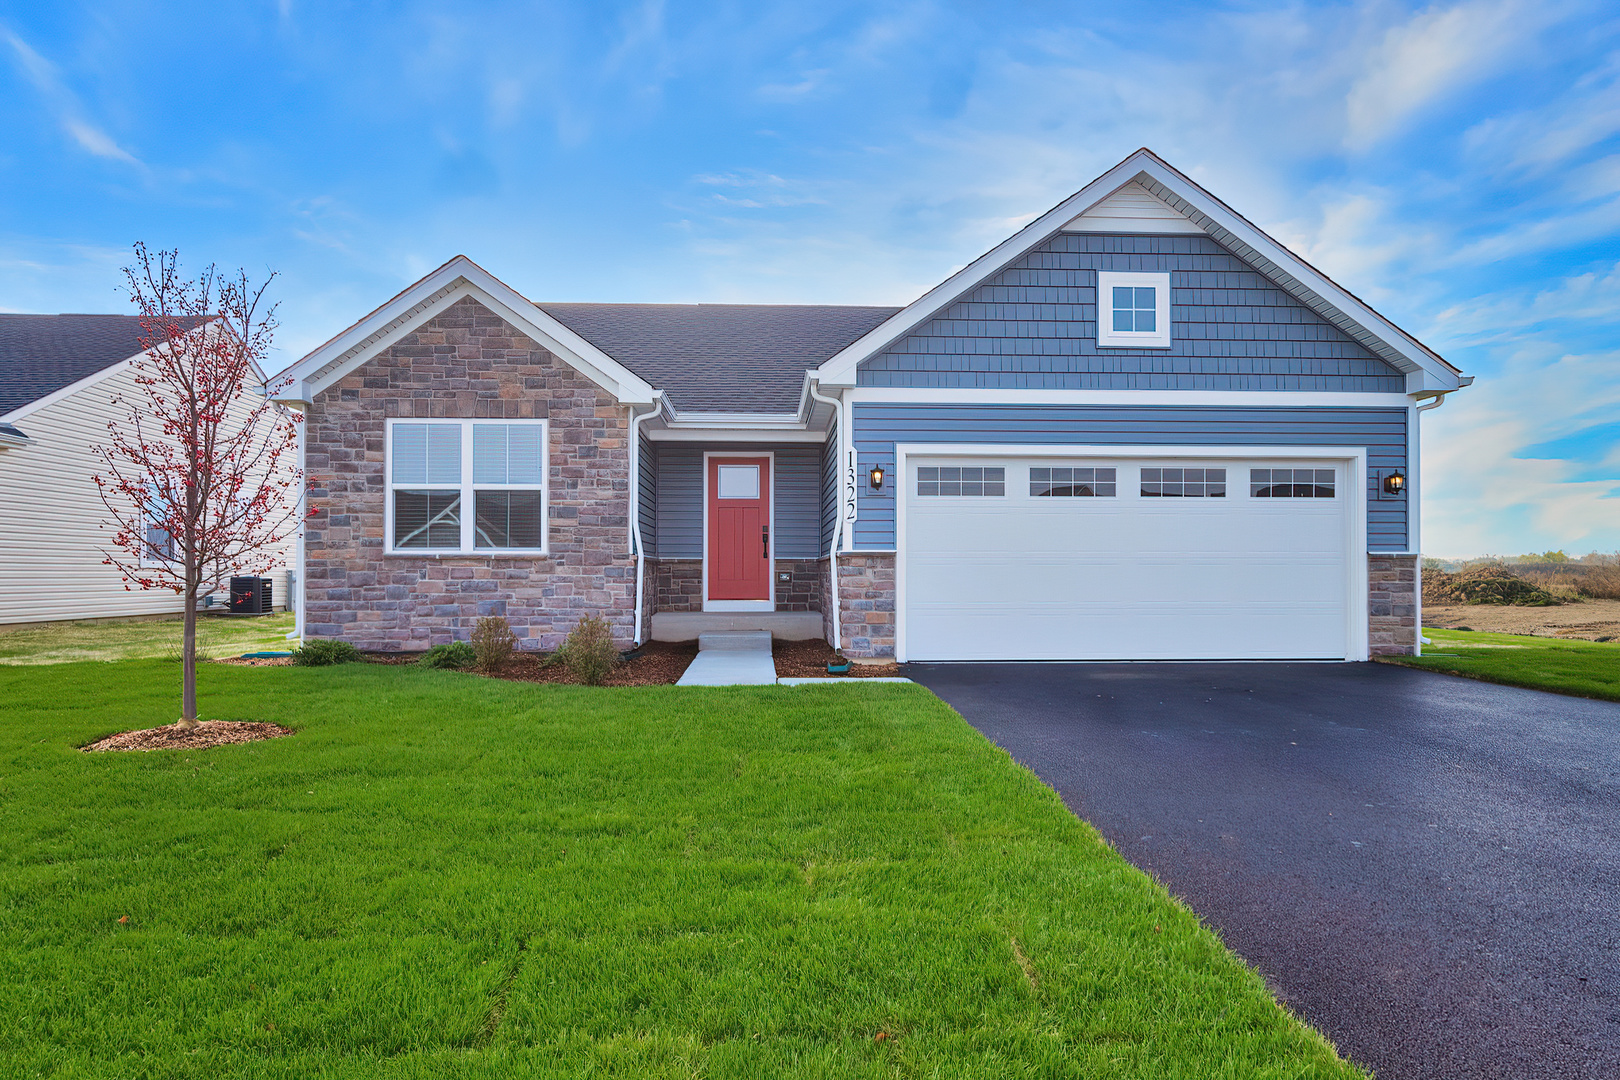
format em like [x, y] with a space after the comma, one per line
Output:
[838, 533]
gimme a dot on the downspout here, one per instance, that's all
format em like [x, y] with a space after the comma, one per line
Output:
[303, 522]
[838, 533]
[1414, 510]
[635, 504]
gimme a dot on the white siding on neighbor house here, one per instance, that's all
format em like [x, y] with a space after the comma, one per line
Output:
[51, 516]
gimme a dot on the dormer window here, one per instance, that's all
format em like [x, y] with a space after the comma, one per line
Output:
[1133, 310]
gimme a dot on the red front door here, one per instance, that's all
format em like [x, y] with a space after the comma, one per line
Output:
[739, 528]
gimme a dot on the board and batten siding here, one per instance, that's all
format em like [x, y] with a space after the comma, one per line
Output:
[51, 537]
[1033, 325]
[1382, 431]
[647, 496]
[797, 493]
[829, 489]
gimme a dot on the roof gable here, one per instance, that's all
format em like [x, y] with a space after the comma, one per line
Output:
[1424, 369]
[1132, 209]
[415, 305]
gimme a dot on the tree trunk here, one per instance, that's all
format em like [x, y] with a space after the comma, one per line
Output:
[188, 663]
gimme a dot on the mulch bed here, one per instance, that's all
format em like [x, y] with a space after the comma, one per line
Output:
[206, 734]
[658, 663]
[809, 659]
[254, 661]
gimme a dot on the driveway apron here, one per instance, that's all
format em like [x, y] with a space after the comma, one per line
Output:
[1426, 868]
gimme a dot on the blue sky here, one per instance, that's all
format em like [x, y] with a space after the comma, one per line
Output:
[1458, 165]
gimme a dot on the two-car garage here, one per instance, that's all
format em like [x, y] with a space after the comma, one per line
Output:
[1088, 556]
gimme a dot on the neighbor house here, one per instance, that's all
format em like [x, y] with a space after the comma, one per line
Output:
[60, 380]
[1139, 428]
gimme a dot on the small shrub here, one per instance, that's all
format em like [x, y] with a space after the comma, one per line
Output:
[453, 656]
[589, 653]
[493, 642]
[322, 653]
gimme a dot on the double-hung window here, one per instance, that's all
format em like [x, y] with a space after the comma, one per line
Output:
[1133, 310]
[470, 486]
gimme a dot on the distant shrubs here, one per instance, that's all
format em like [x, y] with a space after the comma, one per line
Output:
[588, 652]
[453, 656]
[492, 644]
[323, 653]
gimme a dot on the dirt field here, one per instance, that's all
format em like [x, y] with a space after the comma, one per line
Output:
[1593, 620]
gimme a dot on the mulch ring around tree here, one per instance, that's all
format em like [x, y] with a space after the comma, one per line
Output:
[809, 660]
[206, 734]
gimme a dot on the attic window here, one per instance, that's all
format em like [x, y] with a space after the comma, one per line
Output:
[1133, 310]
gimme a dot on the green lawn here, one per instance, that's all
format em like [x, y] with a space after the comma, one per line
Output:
[1583, 668]
[445, 876]
[136, 639]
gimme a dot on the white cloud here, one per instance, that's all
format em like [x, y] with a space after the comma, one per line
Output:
[64, 103]
[1435, 52]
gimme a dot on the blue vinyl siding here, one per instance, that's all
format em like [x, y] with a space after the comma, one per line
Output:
[648, 493]
[798, 492]
[878, 427]
[829, 488]
[1033, 325]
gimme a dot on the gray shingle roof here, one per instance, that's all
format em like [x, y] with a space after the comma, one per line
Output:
[40, 354]
[741, 358]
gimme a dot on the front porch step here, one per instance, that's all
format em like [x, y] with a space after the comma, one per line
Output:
[692, 625]
[736, 641]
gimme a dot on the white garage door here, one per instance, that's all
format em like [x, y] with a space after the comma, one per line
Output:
[1117, 559]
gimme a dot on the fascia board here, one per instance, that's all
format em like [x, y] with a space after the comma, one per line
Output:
[1294, 275]
[839, 369]
[457, 278]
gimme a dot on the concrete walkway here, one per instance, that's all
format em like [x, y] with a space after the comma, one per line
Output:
[732, 658]
[743, 658]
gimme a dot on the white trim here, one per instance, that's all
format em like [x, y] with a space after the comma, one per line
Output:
[1354, 458]
[1107, 336]
[468, 490]
[737, 435]
[903, 395]
[770, 559]
[1297, 277]
[763, 421]
[420, 302]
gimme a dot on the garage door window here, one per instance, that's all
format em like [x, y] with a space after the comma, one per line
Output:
[1184, 483]
[1073, 483]
[1291, 483]
[961, 481]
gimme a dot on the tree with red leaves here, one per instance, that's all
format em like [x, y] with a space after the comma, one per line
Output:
[200, 481]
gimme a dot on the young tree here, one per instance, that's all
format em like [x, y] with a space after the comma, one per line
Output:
[201, 480]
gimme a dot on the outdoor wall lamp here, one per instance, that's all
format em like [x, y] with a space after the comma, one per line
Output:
[876, 477]
[1395, 483]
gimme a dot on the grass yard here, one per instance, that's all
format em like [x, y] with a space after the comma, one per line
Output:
[443, 876]
[1583, 668]
[135, 639]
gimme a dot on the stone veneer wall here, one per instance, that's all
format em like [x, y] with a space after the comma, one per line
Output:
[465, 363]
[866, 605]
[1392, 604]
[803, 589]
[679, 585]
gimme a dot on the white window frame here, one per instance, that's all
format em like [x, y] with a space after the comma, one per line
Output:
[468, 490]
[1107, 336]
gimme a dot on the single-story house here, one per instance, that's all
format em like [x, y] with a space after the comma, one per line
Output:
[60, 378]
[1139, 428]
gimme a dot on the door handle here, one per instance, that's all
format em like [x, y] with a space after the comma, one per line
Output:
[765, 540]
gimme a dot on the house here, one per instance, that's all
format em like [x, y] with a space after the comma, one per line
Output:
[60, 376]
[1139, 428]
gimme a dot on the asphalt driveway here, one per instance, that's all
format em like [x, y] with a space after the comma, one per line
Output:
[1425, 867]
